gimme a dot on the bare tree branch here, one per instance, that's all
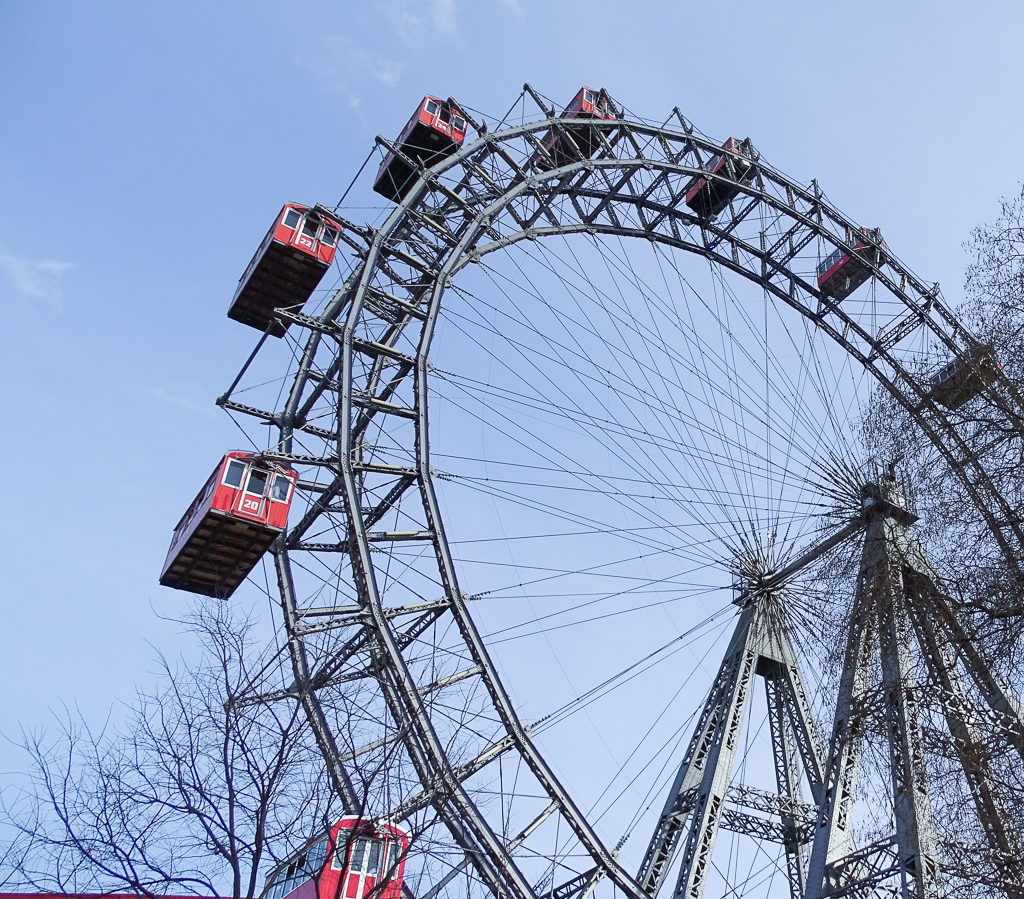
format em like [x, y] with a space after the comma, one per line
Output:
[193, 793]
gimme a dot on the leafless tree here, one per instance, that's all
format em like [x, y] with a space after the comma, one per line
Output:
[995, 277]
[212, 780]
[194, 793]
[988, 586]
[994, 310]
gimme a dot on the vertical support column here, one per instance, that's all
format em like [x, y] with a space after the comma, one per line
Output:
[707, 737]
[916, 838]
[832, 837]
[717, 770]
[786, 780]
[879, 608]
[802, 722]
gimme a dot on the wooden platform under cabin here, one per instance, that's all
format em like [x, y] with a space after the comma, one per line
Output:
[218, 555]
[284, 277]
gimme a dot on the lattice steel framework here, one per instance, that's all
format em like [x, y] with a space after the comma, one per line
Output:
[355, 422]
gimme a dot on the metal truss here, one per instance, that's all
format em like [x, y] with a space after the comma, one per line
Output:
[704, 797]
[356, 418]
[899, 605]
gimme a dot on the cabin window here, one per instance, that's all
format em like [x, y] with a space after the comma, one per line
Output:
[291, 218]
[281, 487]
[317, 856]
[330, 237]
[303, 867]
[830, 260]
[358, 856]
[373, 856]
[432, 107]
[309, 228]
[197, 504]
[257, 485]
[944, 374]
[233, 473]
[338, 852]
[365, 856]
[588, 96]
[458, 123]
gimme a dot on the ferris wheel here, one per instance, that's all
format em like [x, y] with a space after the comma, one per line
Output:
[614, 563]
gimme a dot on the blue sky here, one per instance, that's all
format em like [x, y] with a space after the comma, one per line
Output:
[145, 148]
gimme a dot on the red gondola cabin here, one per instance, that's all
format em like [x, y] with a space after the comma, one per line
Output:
[355, 860]
[842, 272]
[287, 267]
[436, 130]
[579, 140]
[961, 380]
[229, 525]
[708, 196]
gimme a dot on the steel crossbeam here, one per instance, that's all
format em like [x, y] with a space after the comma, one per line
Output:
[579, 887]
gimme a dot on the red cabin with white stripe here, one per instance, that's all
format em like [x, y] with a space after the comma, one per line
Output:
[579, 140]
[229, 525]
[436, 130]
[708, 196]
[355, 860]
[289, 264]
[842, 272]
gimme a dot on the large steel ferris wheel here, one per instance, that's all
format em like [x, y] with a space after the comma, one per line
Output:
[579, 468]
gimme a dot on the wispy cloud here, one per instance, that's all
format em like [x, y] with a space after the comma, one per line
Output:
[345, 63]
[444, 16]
[36, 279]
[412, 19]
[186, 394]
[514, 7]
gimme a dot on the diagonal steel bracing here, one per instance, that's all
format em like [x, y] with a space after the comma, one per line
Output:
[696, 806]
[972, 753]
[784, 751]
[938, 634]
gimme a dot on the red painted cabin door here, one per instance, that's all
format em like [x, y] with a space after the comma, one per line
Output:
[251, 501]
